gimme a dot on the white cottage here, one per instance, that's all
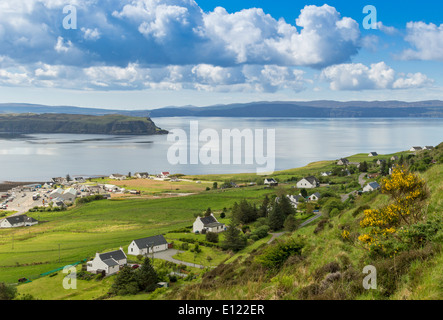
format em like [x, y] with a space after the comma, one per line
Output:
[109, 262]
[148, 245]
[210, 224]
[371, 187]
[308, 182]
[18, 221]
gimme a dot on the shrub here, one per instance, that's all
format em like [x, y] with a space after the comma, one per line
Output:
[276, 255]
[212, 237]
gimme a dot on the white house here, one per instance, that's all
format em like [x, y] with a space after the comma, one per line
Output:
[314, 197]
[117, 176]
[343, 162]
[371, 187]
[271, 182]
[18, 221]
[308, 182]
[141, 175]
[148, 245]
[428, 148]
[164, 174]
[372, 154]
[109, 262]
[295, 200]
[209, 224]
[413, 149]
[326, 174]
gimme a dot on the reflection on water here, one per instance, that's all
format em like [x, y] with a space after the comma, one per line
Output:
[298, 142]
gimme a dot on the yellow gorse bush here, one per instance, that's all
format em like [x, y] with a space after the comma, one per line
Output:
[407, 191]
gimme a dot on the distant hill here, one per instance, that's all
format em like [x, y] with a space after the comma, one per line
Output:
[80, 124]
[314, 109]
[278, 109]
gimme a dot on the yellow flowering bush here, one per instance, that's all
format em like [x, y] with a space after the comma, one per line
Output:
[407, 191]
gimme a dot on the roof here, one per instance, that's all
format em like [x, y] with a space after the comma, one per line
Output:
[312, 180]
[110, 262]
[208, 220]
[374, 185]
[117, 175]
[150, 241]
[317, 194]
[373, 153]
[116, 255]
[214, 224]
[20, 219]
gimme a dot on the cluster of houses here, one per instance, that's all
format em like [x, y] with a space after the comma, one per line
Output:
[415, 149]
[140, 175]
[109, 263]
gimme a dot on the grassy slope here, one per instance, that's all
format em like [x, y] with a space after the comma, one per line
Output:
[106, 225]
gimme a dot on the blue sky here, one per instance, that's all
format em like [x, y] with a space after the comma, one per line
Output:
[146, 54]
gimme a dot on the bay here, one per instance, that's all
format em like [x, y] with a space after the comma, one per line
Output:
[39, 157]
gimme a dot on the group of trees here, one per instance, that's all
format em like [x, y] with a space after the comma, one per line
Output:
[130, 281]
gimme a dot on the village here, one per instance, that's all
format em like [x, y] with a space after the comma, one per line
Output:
[62, 193]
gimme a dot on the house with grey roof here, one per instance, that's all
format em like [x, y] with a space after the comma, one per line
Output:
[148, 245]
[413, 149]
[315, 196]
[372, 186]
[372, 154]
[308, 183]
[108, 262]
[209, 224]
[18, 221]
[343, 162]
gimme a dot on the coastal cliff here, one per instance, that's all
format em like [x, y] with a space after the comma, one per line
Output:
[80, 124]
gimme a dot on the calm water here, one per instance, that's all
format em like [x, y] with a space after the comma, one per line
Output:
[298, 142]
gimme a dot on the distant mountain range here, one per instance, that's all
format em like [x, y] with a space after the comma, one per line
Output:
[280, 109]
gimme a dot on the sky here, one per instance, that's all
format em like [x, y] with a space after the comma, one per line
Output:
[147, 54]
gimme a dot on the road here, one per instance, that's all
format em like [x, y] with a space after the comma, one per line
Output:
[319, 215]
[23, 201]
[168, 256]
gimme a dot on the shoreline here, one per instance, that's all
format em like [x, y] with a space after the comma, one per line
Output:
[8, 185]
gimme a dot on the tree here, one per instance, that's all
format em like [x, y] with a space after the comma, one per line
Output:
[68, 178]
[215, 185]
[234, 240]
[286, 206]
[7, 292]
[125, 283]
[222, 215]
[276, 218]
[363, 167]
[263, 211]
[208, 212]
[147, 277]
[290, 223]
[304, 193]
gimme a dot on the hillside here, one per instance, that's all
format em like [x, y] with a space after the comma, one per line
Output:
[81, 124]
[313, 262]
[302, 109]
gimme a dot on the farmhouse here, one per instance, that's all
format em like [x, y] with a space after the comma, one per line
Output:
[371, 187]
[326, 174]
[141, 175]
[164, 174]
[208, 223]
[148, 245]
[271, 182]
[413, 149]
[308, 182]
[117, 176]
[343, 162]
[428, 148]
[394, 158]
[109, 262]
[380, 161]
[18, 221]
[372, 154]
